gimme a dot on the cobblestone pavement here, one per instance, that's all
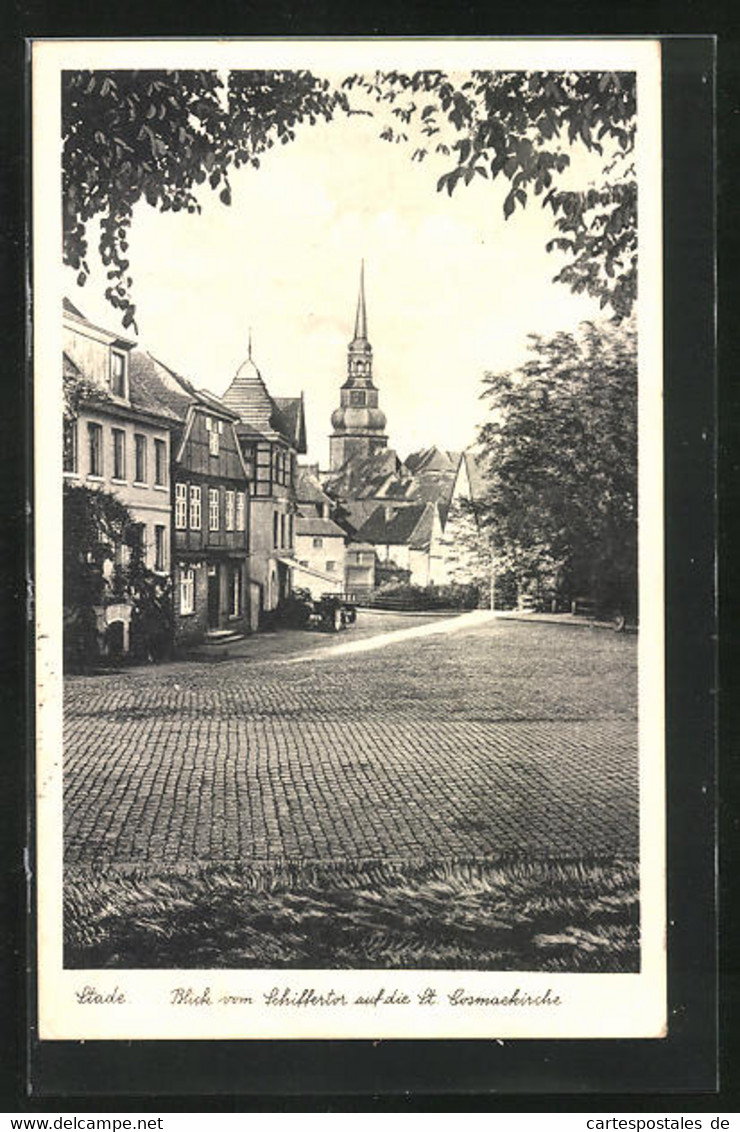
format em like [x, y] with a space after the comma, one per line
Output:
[504, 738]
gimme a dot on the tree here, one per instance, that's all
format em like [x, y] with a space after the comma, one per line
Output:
[95, 524]
[99, 530]
[560, 447]
[159, 135]
[512, 125]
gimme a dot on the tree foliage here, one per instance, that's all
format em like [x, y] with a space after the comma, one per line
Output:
[77, 390]
[160, 135]
[560, 447]
[96, 522]
[99, 530]
[512, 125]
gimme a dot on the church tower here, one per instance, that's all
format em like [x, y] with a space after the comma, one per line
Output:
[358, 424]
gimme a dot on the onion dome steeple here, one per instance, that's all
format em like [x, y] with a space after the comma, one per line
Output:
[358, 423]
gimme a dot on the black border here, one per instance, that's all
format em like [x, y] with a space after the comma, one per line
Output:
[631, 1074]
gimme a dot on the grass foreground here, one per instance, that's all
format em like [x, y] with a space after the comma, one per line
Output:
[518, 915]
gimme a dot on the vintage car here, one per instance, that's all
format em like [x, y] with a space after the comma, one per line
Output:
[330, 613]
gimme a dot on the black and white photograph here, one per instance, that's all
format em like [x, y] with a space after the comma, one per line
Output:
[348, 516]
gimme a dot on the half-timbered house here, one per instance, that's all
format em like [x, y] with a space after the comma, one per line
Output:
[210, 508]
[271, 431]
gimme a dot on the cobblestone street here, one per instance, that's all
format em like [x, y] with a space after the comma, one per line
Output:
[500, 738]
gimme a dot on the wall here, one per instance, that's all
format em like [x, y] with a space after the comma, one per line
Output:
[89, 349]
[399, 554]
[318, 585]
[343, 448]
[148, 503]
[316, 557]
[192, 627]
[263, 551]
[419, 566]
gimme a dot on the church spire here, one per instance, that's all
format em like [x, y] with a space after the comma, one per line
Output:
[361, 316]
[358, 424]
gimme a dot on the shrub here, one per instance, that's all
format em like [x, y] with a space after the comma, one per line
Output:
[407, 596]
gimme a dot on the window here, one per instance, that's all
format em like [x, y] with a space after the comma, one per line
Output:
[135, 539]
[275, 521]
[159, 554]
[213, 516]
[241, 511]
[290, 530]
[139, 458]
[214, 431]
[69, 459]
[187, 590]
[160, 463]
[194, 507]
[331, 567]
[229, 511]
[95, 446]
[282, 530]
[235, 591]
[357, 397]
[263, 483]
[181, 506]
[119, 454]
[249, 454]
[318, 543]
[118, 373]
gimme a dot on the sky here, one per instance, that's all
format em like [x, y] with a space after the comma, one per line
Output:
[453, 290]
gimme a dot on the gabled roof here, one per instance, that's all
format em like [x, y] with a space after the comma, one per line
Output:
[422, 533]
[155, 387]
[433, 487]
[432, 460]
[397, 527]
[316, 526]
[69, 368]
[398, 489]
[70, 308]
[308, 487]
[293, 421]
[363, 477]
[475, 465]
[354, 512]
[113, 336]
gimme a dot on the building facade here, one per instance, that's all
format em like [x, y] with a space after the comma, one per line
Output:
[407, 542]
[320, 546]
[211, 528]
[117, 440]
[271, 432]
[210, 507]
[359, 569]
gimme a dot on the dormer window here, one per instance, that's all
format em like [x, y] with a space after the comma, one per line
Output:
[214, 429]
[118, 373]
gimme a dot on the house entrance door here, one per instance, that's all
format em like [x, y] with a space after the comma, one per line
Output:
[213, 597]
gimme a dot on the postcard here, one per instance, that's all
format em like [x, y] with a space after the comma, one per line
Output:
[348, 529]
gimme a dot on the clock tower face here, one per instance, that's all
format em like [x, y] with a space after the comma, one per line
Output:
[358, 425]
